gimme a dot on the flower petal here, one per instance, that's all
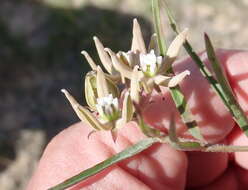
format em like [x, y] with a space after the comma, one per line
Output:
[135, 86]
[138, 43]
[89, 60]
[178, 78]
[101, 83]
[153, 44]
[127, 109]
[174, 47]
[124, 70]
[162, 80]
[106, 61]
[83, 114]
[90, 89]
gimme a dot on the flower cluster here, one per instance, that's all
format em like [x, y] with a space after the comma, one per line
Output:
[141, 70]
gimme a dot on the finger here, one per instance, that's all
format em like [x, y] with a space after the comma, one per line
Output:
[160, 166]
[236, 66]
[71, 152]
[238, 138]
[227, 181]
[207, 108]
[205, 167]
[242, 177]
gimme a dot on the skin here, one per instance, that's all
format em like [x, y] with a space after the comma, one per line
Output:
[161, 166]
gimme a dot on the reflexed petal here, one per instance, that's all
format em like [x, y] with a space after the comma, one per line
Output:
[124, 70]
[130, 58]
[135, 87]
[138, 43]
[83, 114]
[162, 80]
[101, 83]
[178, 78]
[89, 60]
[105, 59]
[175, 46]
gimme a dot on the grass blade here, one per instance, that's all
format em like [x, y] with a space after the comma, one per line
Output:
[239, 116]
[233, 105]
[203, 69]
[186, 145]
[175, 92]
[182, 107]
[131, 151]
[158, 30]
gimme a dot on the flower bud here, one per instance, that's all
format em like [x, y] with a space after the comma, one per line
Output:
[91, 89]
[108, 108]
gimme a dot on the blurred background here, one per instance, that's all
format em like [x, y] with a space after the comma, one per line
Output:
[40, 45]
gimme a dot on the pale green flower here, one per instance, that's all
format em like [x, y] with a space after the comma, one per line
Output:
[108, 108]
[150, 63]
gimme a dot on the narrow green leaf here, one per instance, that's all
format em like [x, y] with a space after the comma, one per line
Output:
[185, 113]
[239, 114]
[186, 145]
[131, 151]
[203, 69]
[179, 144]
[158, 30]
[146, 129]
[232, 103]
[175, 92]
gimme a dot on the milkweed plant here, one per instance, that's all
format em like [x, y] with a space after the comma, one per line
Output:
[114, 97]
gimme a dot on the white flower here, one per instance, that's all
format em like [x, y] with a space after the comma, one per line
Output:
[150, 63]
[108, 108]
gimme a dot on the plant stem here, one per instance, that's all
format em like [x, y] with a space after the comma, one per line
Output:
[232, 106]
[157, 21]
[175, 92]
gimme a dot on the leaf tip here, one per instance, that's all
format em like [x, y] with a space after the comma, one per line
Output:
[95, 38]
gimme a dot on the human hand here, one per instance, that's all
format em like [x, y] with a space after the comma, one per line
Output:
[161, 166]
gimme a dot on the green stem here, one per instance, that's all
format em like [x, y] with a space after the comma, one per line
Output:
[157, 21]
[175, 92]
[182, 107]
[129, 152]
[232, 106]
